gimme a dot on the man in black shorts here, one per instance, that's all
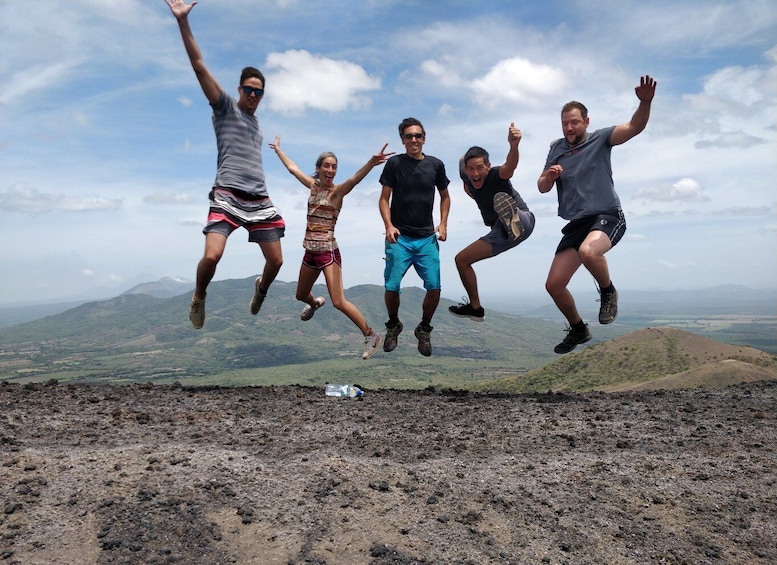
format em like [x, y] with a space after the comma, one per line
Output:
[579, 166]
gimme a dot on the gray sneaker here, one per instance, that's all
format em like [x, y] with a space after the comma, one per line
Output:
[392, 333]
[197, 313]
[259, 296]
[424, 340]
[371, 344]
[504, 206]
[608, 307]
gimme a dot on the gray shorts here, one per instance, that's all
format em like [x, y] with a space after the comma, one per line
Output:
[498, 239]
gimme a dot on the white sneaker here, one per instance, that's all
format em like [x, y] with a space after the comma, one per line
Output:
[371, 344]
[308, 310]
[197, 313]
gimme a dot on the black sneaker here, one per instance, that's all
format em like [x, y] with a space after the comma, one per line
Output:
[424, 340]
[572, 340]
[465, 310]
[504, 206]
[392, 333]
[608, 308]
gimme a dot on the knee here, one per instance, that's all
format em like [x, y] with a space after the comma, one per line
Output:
[554, 286]
[461, 261]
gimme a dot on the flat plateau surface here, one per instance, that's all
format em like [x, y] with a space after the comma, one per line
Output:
[266, 475]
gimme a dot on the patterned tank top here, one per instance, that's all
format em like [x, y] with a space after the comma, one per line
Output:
[322, 217]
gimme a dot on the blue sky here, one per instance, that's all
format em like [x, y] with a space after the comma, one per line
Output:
[107, 151]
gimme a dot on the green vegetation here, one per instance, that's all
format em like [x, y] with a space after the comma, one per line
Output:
[138, 338]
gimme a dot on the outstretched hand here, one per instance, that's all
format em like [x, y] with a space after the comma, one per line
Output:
[277, 144]
[381, 157]
[179, 8]
[646, 89]
[513, 135]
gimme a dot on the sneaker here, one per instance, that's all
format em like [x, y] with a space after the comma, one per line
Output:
[371, 344]
[259, 296]
[608, 309]
[197, 313]
[504, 206]
[392, 333]
[424, 340]
[572, 340]
[308, 310]
[465, 310]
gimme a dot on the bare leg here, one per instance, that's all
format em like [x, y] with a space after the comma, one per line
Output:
[206, 268]
[392, 303]
[474, 252]
[273, 257]
[592, 252]
[564, 265]
[307, 278]
[333, 274]
[431, 300]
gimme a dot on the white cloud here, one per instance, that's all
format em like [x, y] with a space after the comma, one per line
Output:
[163, 199]
[300, 80]
[685, 190]
[519, 80]
[25, 200]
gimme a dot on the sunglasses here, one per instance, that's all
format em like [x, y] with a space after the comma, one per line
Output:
[257, 91]
[410, 136]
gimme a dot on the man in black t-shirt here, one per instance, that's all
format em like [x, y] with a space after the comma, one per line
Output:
[501, 207]
[409, 182]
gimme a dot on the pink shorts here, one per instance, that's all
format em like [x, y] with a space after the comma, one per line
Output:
[320, 259]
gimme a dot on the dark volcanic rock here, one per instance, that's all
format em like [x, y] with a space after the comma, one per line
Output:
[157, 474]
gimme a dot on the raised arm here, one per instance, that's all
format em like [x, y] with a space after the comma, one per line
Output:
[210, 87]
[513, 139]
[290, 165]
[359, 175]
[645, 92]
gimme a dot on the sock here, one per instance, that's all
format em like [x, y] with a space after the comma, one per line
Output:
[426, 324]
[579, 327]
[392, 321]
[609, 290]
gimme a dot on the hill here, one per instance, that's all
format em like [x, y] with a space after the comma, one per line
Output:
[136, 337]
[644, 356]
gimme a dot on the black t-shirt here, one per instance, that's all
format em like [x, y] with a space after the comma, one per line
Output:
[484, 196]
[412, 183]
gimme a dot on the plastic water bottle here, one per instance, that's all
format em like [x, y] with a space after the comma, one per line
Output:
[347, 391]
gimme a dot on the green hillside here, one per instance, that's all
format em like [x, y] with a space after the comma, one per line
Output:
[140, 338]
[641, 357]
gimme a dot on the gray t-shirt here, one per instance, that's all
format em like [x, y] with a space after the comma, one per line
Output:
[585, 188]
[239, 142]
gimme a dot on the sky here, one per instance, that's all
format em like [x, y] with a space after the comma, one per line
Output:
[107, 150]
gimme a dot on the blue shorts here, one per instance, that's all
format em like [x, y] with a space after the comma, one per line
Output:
[423, 253]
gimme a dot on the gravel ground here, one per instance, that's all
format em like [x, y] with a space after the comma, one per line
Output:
[170, 474]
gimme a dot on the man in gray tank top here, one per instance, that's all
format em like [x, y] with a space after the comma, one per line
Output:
[579, 166]
[239, 196]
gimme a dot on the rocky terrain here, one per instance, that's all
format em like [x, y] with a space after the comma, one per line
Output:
[170, 474]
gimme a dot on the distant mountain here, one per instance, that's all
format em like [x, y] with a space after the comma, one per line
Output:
[645, 359]
[165, 287]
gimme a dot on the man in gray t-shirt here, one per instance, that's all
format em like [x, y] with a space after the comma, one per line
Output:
[239, 196]
[579, 166]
